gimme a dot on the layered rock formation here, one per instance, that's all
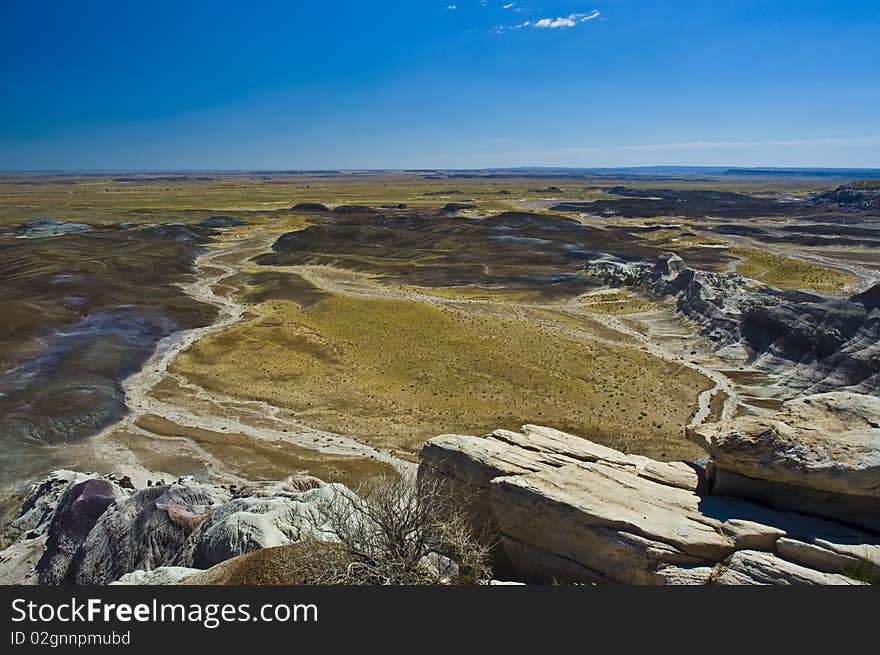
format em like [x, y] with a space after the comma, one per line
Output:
[74, 528]
[820, 343]
[863, 196]
[566, 509]
[819, 455]
[714, 300]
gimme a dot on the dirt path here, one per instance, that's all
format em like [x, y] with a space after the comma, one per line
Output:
[252, 418]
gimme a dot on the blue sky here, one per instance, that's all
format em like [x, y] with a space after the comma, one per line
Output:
[418, 83]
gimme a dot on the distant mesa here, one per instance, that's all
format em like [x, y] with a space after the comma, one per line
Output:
[223, 221]
[354, 209]
[310, 207]
[458, 206]
[802, 172]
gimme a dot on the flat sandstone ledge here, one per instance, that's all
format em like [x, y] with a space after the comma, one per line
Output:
[569, 510]
[819, 454]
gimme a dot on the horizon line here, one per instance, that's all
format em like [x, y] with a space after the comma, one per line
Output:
[435, 169]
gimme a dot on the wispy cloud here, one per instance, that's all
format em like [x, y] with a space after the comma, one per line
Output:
[452, 7]
[509, 5]
[561, 22]
[565, 21]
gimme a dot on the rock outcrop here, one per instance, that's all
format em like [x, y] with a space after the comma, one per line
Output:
[817, 343]
[40, 228]
[75, 528]
[164, 575]
[750, 567]
[864, 196]
[716, 301]
[818, 455]
[566, 509]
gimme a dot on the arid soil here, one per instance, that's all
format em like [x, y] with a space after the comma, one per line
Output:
[139, 341]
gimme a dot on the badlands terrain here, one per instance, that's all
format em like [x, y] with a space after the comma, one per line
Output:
[229, 331]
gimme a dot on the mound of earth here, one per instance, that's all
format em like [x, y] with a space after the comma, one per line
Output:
[519, 250]
[697, 204]
[294, 564]
[841, 204]
[223, 221]
[354, 209]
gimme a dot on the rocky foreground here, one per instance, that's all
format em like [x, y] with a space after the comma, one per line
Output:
[75, 528]
[788, 498]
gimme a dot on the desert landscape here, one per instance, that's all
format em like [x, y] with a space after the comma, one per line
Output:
[230, 331]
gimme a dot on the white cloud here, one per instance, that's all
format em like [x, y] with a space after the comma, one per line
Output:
[452, 7]
[565, 22]
[509, 5]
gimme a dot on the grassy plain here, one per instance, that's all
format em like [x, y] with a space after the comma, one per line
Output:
[789, 273]
[395, 372]
[102, 198]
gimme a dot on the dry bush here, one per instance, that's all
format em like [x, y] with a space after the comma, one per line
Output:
[402, 531]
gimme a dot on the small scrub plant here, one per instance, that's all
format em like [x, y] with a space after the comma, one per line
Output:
[399, 530]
